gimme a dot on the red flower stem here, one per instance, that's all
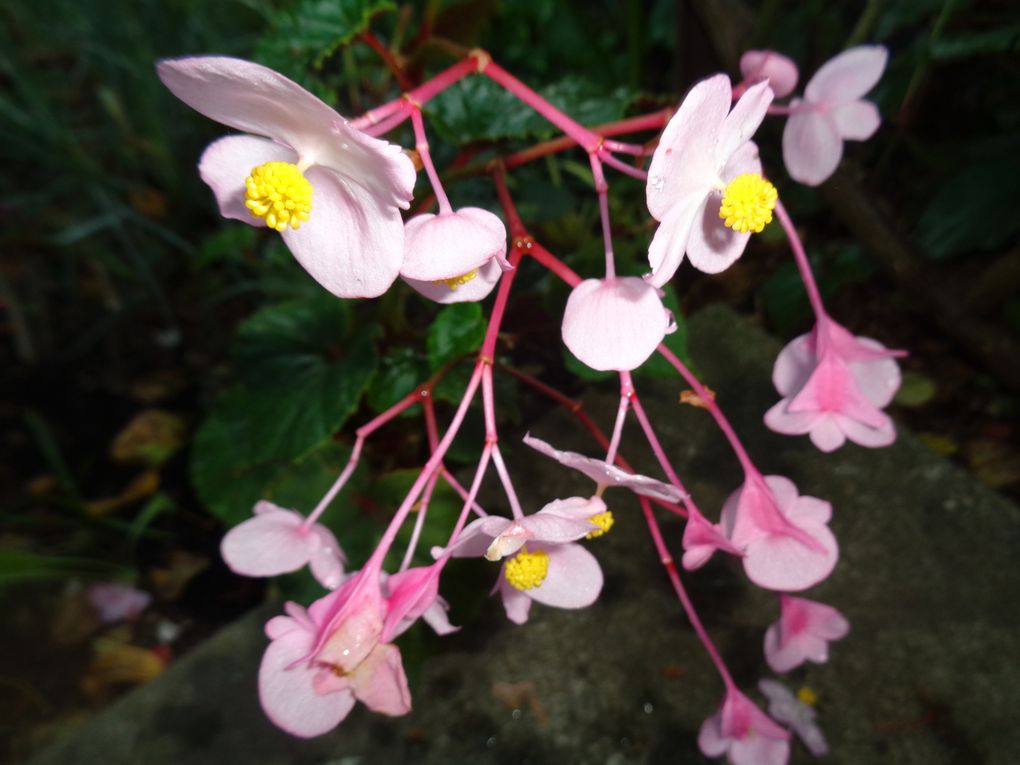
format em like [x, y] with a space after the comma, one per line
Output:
[709, 402]
[469, 497]
[685, 601]
[803, 265]
[419, 521]
[579, 134]
[554, 264]
[626, 389]
[625, 148]
[602, 189]
[623, 167]
[388, 58]
[386, 125]
[361, 434]
[421, 143]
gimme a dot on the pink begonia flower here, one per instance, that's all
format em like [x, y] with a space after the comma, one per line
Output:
[454, 257]
[802, 633]
[784, 538]
[701, 539]
[322, 660]
[787, 709]
[276, 541]
[745, 734]
[834, 386]
[114, 601]
[414, 594]
[606, 475]
[541, 562]
[832, 112]
[703, 149]
[779, 70]
[615, 324]
[339, 190]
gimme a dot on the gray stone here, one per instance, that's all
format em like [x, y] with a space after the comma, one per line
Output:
[928, 675]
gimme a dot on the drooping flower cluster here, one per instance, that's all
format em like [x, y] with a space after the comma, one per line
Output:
[335, 195]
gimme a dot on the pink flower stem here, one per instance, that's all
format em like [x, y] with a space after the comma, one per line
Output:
[386, 125]
[421, 143]
[709, 401]
[419, 521]
[581, 135]
[431, 466]
[626, 390]
[623, 167]
[806, 275]
[362, 433]
[455, 485]
[469, 497]
[624, 148]
[433, 435]
[674, 577]
[492, 441]
[375, 116]
[602, 189]
[657, 450]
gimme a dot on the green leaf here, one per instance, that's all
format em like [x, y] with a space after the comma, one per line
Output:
[307, 34]
[974, 211]
[20, 566]
[303, 374]
[459, 329]
[402, 370]
[477, 109]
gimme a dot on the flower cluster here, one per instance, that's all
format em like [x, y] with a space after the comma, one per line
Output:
[334, 191]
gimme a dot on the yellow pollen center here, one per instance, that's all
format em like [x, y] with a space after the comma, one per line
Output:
[278, 193]
[807, 696]
[748, 203]
[527, 570]
[604, 521]
[457, 281]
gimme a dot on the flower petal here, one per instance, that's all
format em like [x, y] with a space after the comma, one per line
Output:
[287, 692]
[380, 684]
[684, 161]
[741, 123]
[857, 120]
[778, 69]
[812, 147]
[780, 562]
[713, 247]
[476, 537]
[848, 76]
[267, 544]
[226, 163]
[327, 559]
[515, 602]
[472, 291]
[353, 243]
[614, 324]
[451, 244]
[794, 365]
[666, 252]
[574, 579]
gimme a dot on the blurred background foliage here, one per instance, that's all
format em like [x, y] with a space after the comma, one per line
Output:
[165, 368]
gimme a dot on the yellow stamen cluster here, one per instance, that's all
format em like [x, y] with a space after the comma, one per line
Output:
[807, 696]
[604, 521]
[458, 281]
[748, 203]
[279, 193]
[527, 570]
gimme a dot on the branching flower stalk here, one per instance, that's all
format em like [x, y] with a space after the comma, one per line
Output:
[334, 191]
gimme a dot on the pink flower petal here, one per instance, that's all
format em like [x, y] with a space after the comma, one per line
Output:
[515, 603]
[326, 562]
[701, 539]
[857, 120]
[614, 324]
[353, 243]
[826, 433]
[848, 76]
[267, 544]
[745, 118]
[257, 100]
[605, 474]
[712, 246]
[451, 244]
[476, 537]
[781, 420]
[287, 692]
[227, 162]
[114, 601]
[812, 147]
[684, 162]
[758, 750]
[574, 579]
[380, 684]
[470, 292]
[878, 380]
[778, 69]
[864, 435]
[666, 252]
[779, 562]
[794, 366]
